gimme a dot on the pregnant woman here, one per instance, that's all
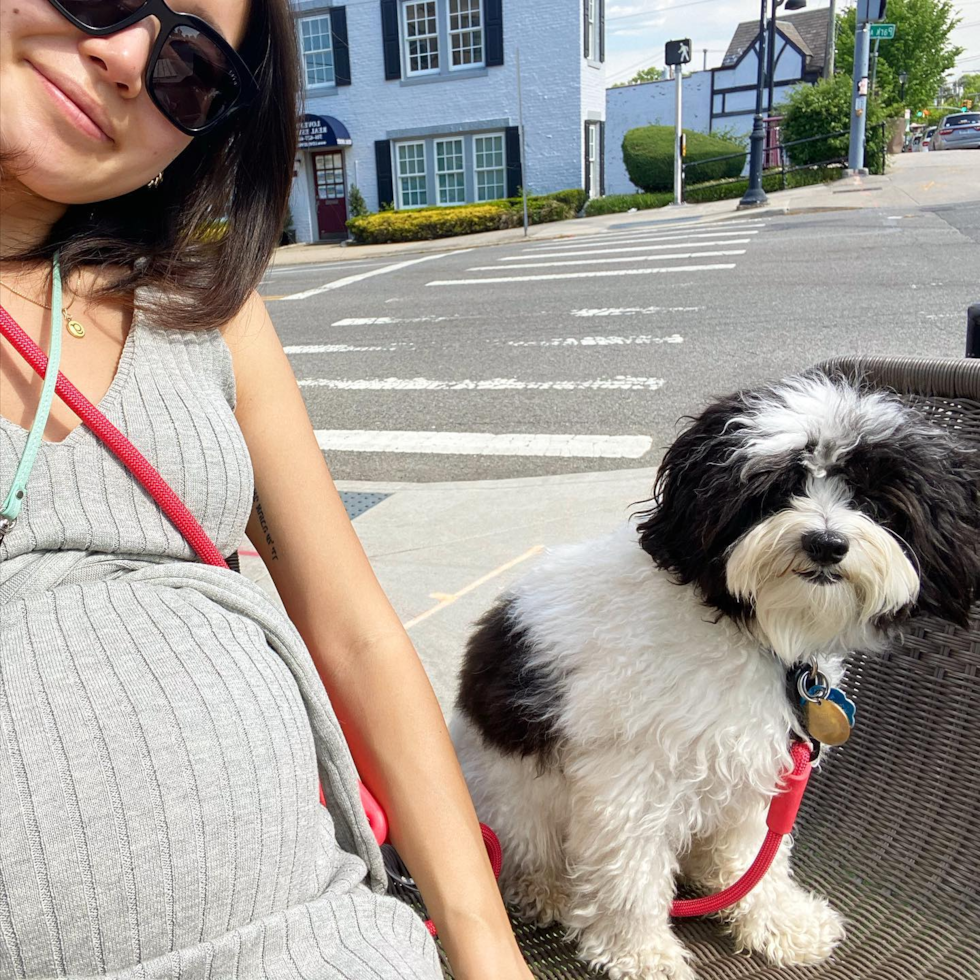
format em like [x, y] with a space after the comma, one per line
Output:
[163, 726]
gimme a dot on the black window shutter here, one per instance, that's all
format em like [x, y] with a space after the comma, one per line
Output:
[382, 159]
[512, 147]
[602, 159]
[588, 182]
[602, 30]
[389, 38]
[493, 13]
[585, 36]
[341, 50]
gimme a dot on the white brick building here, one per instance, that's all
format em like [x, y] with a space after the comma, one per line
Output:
[415, 102]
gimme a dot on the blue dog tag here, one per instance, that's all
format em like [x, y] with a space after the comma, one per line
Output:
[828, 712]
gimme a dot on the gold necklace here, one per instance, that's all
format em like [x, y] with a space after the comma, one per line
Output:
[72, 325]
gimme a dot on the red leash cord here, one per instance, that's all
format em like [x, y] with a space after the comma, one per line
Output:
[782, 810]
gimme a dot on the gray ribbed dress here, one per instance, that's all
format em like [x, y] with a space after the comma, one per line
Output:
[162, 726]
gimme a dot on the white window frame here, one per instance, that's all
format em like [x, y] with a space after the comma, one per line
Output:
[593, 159]
[432, 38]
[477, 170]
[461, 171]
[303, 53]
[591, 50]
[402, 206]
[458, 32]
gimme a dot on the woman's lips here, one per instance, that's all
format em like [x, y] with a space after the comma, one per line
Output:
[71, 110]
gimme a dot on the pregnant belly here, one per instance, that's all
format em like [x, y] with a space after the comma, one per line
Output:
[157, 775]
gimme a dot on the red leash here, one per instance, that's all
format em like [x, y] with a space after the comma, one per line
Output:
[782, 810]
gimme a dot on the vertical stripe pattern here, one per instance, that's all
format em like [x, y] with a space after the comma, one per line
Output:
[162, 727]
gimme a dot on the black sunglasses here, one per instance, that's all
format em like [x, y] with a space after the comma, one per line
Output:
[194, 76]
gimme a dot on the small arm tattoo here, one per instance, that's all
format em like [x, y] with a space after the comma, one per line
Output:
[264, 524]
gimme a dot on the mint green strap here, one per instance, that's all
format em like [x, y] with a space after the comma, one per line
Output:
[11, 506]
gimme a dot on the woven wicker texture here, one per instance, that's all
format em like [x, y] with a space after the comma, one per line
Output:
[890, 825]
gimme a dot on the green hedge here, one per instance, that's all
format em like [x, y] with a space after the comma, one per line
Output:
[423, 224]
[812, 110]
[771, 182]
[648, 153]
[618, 203]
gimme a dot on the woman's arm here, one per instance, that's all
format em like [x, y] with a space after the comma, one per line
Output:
[379, 690]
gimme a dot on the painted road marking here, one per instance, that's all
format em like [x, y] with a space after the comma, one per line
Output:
[361, 276]
[648, 234]
[603, 251]
[483, 443]
[624, 258]
[582, 275]
[345, 348]
[636, 340]
[636, 310]
[448, 600]
[623, 247]
[619, 382]
[373, 321]
[606, 251]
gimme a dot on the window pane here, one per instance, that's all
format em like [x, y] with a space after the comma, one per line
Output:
[488, 152]
[422, 37]
[451, 180]
[466, 32]
[317, 50]
[411, 174]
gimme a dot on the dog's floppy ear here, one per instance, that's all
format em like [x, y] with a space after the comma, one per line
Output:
[696, 474]
[942, 499]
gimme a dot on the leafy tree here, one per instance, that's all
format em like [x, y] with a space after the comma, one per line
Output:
[971, 85]
[814, 110]
[921, 47]
[651, 74]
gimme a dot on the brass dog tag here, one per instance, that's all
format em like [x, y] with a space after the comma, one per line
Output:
[827, 722]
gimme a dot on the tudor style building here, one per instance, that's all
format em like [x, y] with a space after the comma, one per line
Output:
[415, 103]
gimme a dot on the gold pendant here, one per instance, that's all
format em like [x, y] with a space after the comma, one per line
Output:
[73, 326]
[827, 722]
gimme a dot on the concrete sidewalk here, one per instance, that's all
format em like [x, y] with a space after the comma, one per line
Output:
[914, 180]
[444, 551]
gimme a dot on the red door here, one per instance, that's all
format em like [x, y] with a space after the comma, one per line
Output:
[331, 197]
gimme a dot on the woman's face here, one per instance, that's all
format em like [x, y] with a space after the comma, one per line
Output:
[68, 157]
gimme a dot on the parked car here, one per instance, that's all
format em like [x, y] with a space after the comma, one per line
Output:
[958, 132]
[925, 141]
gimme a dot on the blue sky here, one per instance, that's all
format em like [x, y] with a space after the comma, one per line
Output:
[636, 31]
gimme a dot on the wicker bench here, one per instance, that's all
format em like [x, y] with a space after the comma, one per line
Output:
[890, 828]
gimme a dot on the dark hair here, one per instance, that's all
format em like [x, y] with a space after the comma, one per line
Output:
[167, 236]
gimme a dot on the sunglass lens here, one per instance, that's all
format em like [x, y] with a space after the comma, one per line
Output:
[192, 80]
[101, 13]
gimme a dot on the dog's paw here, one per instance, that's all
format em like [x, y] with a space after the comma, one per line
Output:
[541, 899]
[663, 960]
[801, 929]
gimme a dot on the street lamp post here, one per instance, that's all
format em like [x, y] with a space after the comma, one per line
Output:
[754, 195]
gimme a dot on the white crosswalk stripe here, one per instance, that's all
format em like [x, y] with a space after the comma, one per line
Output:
[602, 251]
[582, 275]
[630, 258]
[483, 443]
[641, 233]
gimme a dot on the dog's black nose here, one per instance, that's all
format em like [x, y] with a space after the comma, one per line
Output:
[825, 547]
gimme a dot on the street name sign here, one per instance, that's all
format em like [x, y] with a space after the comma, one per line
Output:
[677, 52]
[883, 32]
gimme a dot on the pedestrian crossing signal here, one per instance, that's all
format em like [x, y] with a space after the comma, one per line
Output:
[677, 52]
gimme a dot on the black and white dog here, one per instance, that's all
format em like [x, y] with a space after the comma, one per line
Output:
[623, 714]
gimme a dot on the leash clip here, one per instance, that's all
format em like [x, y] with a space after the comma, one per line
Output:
[6, 526]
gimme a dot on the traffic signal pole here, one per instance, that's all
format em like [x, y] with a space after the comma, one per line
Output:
[678, 136]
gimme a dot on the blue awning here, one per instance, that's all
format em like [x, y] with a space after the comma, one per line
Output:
[317, 131]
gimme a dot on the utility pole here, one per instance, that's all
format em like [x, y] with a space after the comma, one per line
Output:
[859, 97]
[828, 65]
[520, 122]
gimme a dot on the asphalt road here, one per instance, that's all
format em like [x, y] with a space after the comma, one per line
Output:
[581, 355]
